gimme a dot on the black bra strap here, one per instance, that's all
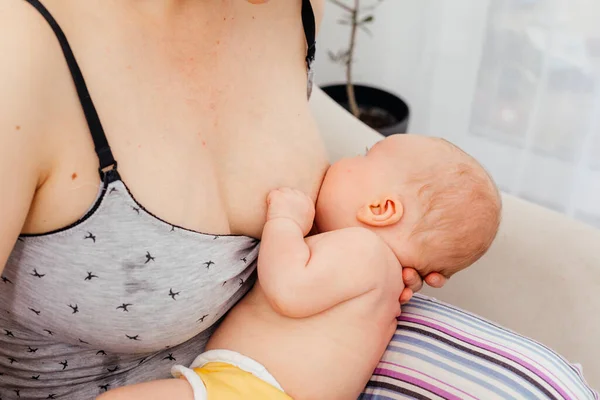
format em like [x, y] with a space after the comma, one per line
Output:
[310, 30]
[100, 143]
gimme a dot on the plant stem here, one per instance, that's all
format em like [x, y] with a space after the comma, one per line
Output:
[342, 5]
[349, 86]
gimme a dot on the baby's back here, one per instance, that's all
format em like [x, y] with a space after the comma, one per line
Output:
[327, 356]
[330, 355]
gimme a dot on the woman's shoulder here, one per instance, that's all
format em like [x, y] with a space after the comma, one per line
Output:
[24, 47]
[26, 41]
[26, 77]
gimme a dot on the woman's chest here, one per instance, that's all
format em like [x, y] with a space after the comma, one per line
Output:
[201, 131]
[206, 179]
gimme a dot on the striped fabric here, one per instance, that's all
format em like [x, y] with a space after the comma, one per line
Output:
[442, 352]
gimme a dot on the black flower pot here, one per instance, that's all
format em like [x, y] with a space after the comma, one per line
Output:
[386, 113]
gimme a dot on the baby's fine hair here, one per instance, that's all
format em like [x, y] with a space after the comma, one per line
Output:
[461, 210]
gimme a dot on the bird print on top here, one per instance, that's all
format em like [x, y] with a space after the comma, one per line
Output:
[90, 276]
[173, 294]
[35, 311]
[37, 274]
[149, 257]
[201, 319]
[124, 307]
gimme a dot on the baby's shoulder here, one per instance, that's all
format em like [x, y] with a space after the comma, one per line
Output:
[354, 239]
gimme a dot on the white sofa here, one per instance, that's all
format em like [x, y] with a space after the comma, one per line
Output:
[541, 278]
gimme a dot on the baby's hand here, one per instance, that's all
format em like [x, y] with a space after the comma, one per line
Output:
[413, 282]
[292, 204]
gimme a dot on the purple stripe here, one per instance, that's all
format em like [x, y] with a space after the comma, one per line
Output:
[524, 357]
[507, 333]
[428, 376]
[522, 363]
[417, 382]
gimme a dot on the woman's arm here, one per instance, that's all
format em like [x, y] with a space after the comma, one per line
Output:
[22, 79]
[164, 389]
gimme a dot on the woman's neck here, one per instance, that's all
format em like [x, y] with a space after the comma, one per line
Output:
[158, 8]
[169, 14]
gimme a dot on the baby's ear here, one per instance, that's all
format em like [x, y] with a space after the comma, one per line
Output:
[384, 211]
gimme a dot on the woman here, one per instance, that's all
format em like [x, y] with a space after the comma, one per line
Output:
[109, 279]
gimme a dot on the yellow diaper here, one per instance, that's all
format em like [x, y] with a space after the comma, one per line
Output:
[224, 381]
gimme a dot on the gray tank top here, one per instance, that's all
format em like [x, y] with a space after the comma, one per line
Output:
[119, 296]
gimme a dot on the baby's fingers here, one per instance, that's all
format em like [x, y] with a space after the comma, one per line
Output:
[412, 279]
[435, 280]
[406, 295]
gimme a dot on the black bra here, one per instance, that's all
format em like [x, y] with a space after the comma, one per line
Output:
[101, 145]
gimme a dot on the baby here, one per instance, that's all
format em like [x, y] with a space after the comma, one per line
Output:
[324, 307]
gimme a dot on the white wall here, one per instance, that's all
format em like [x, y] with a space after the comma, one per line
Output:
[490, 76]
[409, 38]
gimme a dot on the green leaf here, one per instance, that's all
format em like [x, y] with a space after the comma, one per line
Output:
[367, 19]
[367, 30]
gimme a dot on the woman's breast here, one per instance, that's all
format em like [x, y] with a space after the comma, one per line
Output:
[291, 155]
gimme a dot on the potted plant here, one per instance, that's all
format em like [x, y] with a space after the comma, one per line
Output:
[378, 108]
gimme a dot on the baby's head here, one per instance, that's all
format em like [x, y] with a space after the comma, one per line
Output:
[432, 203]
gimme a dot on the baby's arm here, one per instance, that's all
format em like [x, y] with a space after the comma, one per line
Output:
[302, 278]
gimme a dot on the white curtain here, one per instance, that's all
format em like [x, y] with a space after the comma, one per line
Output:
[514, 82]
